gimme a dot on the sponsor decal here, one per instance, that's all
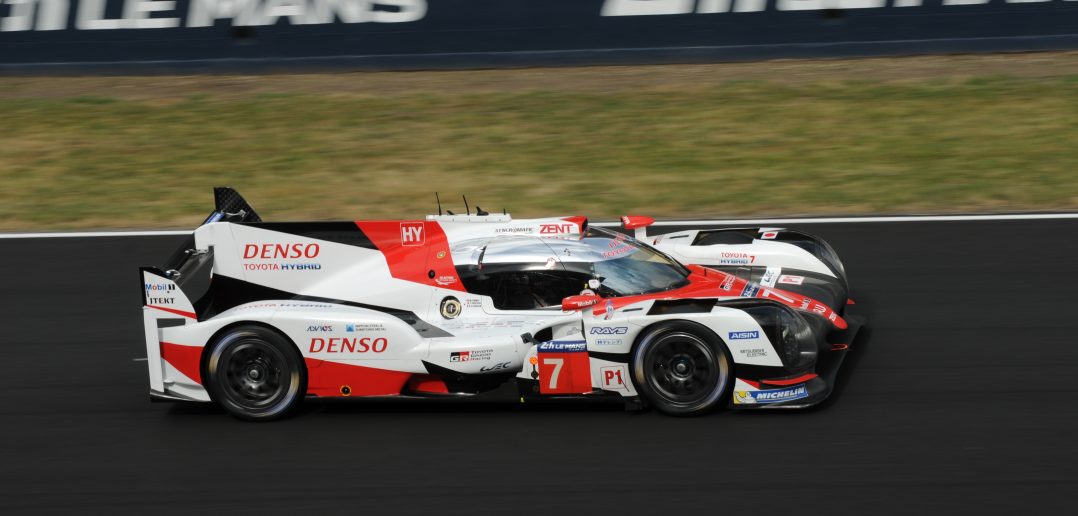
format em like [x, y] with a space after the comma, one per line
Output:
[348, 345]
[740, 335]
[297, 251]
[770, 396]
[450, 308]
[168, 14]
[818, 308]
[474, 303]
[471, 356]
[515, 230]
[564, 346]
[412, 233]
[445, 280]
[771, 275]
[618, 251]
[729, 258]
[791, 280]
[728, 283]
[495, 367]
[556, 229]
[609, 330]
[609, 310]
[361, 327]
[160, 293]
[832, 317]
[319, 328]
[769, 235]
[771, 293]
[608, 342]
[613, 377]
[280, 251]
[750, 290]
[805, 303]
[754, 352]
[459, 356]
[305, 305]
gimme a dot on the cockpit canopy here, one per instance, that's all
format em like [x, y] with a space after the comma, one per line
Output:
[530, 272]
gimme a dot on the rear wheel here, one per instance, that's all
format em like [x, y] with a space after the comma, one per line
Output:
[682, 368]
[255, 374]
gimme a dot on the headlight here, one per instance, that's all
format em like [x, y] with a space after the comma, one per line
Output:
[789, 332]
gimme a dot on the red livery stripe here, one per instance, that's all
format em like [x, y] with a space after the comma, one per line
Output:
[186, 359]
[190, 315]
[326, 378]
[790, 381]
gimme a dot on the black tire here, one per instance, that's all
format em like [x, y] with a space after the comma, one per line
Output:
[255, 374]
[682, 368]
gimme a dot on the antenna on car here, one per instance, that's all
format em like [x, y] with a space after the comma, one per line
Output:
[439, 199]
[479, 211]
[467, 210]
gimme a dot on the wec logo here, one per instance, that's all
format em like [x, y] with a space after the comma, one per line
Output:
[612, 330]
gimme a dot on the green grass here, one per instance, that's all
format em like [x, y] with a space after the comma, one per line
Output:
[713, 150]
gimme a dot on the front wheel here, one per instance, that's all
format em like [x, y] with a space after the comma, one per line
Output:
[255, 374]
[681, 368]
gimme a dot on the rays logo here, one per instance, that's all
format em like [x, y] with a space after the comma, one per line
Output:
[611, 330]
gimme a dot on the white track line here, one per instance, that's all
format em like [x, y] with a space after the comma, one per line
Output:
[706, 222]
[92, 234]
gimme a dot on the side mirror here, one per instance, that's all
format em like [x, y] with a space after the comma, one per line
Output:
[638, 223]
[574, 303]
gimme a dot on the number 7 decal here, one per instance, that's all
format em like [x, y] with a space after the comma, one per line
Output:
[557, 363]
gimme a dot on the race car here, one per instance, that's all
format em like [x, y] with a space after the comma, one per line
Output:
[260, 316]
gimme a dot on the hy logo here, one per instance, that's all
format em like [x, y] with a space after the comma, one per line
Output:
[412, 233]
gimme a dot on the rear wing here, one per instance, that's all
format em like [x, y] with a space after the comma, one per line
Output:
[176, 290]
[230, 206]
[175, 294]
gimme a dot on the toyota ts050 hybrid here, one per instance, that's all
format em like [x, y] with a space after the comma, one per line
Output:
[258, 316]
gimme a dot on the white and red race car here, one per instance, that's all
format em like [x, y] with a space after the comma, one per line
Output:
[258, 316]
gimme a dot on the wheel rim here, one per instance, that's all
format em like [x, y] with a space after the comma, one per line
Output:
[684, 369]
[254, 374]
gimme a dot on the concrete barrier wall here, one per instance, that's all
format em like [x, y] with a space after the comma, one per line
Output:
[207, 35]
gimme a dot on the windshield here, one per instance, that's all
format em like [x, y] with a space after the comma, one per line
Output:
[625, 266]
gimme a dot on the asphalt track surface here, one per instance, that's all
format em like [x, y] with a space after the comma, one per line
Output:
[960, 398]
